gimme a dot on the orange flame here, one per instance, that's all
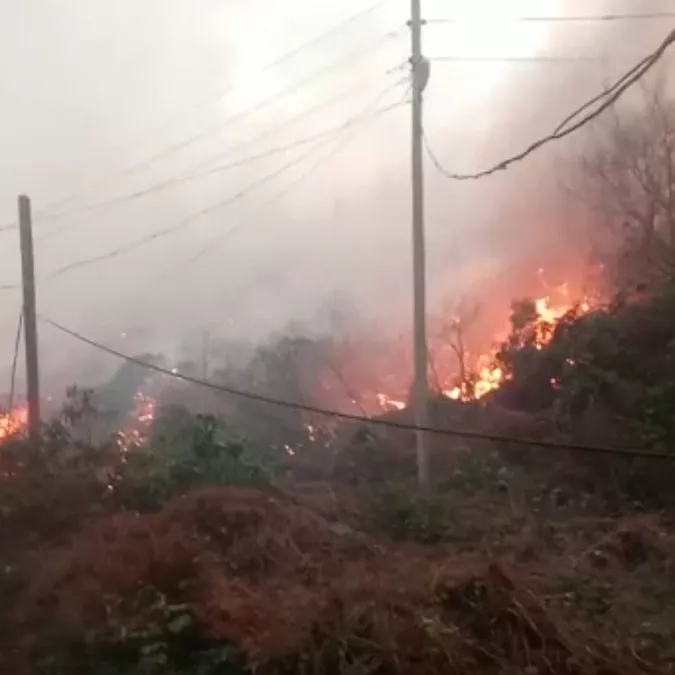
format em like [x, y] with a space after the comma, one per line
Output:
[486, 376]
[387, 403]
[137, 432]
[490, 377]
[13, 423]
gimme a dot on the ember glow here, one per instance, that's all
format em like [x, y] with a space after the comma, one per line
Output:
[142, 418]
[13, 422]
[387, 403]
[549, 313]
[482, 373]
[488, 378]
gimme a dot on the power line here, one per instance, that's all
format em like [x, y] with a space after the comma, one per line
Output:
[372, 45]
[199, 171]
[210, 245]
[367, 116]
[181, 145]
[371, 113]
[332, 31]
[195, 216]
[310, 171]
[187, 221]
[457, 433]
[568, 126]
[517, 59]
[636, 70]
[194, 174]
[313, 42]
[646, 16]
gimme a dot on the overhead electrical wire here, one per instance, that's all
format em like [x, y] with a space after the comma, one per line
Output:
[339, 144]
[573, 122]
[607, 97]
[590, 18]
[240, 115]
[186, 178]
[371, 113]
[328, 34]
[126, 248]
[313, 42]
[44, 214]
[187, 221]
[201, 171]
[210, 246]
[515, 59]
[196, 174]
[389, 423]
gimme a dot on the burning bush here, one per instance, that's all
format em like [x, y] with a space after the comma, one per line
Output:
[48, 488]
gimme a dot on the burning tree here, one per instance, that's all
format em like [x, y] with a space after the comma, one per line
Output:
[533, 355]
[452, 331]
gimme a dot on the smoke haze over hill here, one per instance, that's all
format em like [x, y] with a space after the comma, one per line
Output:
[90, 91]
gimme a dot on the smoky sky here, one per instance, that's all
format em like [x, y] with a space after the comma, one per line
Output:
[92, 90]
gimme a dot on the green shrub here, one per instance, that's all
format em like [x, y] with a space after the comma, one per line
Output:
[185, 452]
[160, 639]
[406, 514]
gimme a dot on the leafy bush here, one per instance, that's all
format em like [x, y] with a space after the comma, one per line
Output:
[164, 638]
[608, 377]
[184, 452]
[407, 515]
[49, 487]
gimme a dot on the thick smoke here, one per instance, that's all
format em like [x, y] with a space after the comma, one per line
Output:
[88, 89]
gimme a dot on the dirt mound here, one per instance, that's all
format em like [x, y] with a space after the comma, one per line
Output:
[290, 590]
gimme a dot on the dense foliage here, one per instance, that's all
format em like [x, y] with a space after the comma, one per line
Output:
[51, 489]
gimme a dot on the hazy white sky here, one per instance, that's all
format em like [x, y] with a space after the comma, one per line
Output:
[90, 89]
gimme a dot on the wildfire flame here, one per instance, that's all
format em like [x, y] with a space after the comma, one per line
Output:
[486, 375]
[490, 377]
[387, 403]
[13, 423]
[136, 433]
[142, 418]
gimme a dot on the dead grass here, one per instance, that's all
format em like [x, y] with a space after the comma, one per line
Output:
[292, 590]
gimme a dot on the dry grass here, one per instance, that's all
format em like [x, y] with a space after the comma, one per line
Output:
[292, 590]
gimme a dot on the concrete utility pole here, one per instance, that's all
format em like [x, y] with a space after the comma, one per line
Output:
[420, 76]
[29, 316]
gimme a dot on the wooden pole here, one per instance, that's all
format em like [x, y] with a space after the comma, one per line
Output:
[29, 317]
